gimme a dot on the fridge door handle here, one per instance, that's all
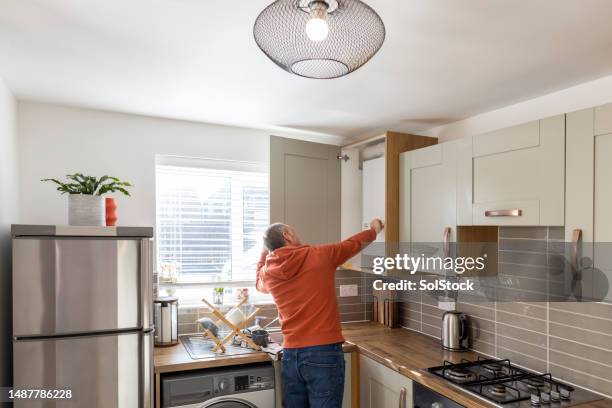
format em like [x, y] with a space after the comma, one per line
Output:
[146, 283]
[146, 371]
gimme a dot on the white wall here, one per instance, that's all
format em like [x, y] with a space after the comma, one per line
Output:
[56, 140]
[585, 95]
[8, 215]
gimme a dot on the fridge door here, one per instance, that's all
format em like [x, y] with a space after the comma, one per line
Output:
[104, 371]
[80, 285]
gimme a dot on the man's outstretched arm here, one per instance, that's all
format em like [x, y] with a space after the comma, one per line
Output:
[259, 282]
[345, 250]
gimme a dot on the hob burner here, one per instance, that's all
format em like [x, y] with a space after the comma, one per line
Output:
[460, 374]
[534, 383]
[493, 367]
[498, 390]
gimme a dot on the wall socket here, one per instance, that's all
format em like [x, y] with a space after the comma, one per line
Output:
[449, 305]
[349, 290]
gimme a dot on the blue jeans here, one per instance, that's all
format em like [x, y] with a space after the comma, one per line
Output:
[313, 377]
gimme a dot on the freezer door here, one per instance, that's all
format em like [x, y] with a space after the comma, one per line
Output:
[106, 371]
[77, 285]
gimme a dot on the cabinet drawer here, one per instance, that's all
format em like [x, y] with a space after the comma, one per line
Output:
[507, 213]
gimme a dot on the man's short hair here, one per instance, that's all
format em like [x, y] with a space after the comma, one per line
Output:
[273, 237]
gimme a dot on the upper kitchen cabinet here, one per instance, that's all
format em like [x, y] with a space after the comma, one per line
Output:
[370, 181]
[373, 202]
[589, 191]
[305, 188]
[370, 184]
[518, 175]
[430, 200]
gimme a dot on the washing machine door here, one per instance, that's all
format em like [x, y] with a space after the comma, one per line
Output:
[229, 402]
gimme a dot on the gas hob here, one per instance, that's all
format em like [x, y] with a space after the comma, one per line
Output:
[506, 385]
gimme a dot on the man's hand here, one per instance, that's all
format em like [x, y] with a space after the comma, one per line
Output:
[377, 225]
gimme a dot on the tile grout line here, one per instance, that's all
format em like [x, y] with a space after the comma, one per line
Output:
[582, 358]
[580, 343]
[499, 230]
[548, 319]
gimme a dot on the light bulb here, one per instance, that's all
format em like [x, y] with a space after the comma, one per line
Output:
[317, 29]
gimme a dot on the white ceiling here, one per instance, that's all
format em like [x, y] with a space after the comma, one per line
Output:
[443, 60]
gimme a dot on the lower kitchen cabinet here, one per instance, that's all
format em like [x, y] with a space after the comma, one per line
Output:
[381, 387]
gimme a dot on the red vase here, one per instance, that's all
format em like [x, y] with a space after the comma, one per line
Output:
[111, 212]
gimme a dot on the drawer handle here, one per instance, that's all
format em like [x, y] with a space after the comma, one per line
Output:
[446, 241]
[515, 212]
[576, 237]
[402, 398]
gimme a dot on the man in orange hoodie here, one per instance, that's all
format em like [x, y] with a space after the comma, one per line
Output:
[301, 281]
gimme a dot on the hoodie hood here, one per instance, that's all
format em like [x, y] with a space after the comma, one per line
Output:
[287, 261]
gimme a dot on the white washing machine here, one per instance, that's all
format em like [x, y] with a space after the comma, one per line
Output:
[247, 386]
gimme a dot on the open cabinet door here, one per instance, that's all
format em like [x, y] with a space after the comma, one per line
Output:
[305, 188]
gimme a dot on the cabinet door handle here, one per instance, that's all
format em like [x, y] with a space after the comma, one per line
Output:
[446, 241]
[402, 398]
[576, 237]
[515, 212]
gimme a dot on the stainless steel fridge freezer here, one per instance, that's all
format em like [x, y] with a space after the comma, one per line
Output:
[82, 315]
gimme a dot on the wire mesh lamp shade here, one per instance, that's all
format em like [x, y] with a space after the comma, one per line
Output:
[319, 39]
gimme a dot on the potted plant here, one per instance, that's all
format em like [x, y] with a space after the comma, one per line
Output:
[218, 296]
[86, 205]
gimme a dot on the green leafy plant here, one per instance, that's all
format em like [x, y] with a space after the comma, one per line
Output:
[80, 184]
[218, 290]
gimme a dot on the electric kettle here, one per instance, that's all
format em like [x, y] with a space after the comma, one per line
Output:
[454, 331]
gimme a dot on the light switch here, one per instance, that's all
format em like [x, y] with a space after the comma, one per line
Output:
[349, 290]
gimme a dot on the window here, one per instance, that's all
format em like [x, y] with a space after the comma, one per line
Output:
[210, 220]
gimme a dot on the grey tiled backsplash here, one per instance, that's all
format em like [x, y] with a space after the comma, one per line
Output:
[573, 341]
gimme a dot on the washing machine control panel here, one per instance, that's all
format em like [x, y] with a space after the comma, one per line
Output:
[247, 380]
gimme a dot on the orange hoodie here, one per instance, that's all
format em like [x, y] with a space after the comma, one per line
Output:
[302, 283]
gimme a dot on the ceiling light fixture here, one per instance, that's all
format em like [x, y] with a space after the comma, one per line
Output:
[319, 39]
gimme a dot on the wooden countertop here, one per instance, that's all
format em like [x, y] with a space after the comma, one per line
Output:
[176, 358]
[410, 353]
[404, 351]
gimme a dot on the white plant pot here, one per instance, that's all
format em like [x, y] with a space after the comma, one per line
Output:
[87, 210]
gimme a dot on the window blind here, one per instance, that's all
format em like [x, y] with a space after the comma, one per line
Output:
[210, 222]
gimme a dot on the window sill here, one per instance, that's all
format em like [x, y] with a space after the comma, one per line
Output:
[227, 305]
